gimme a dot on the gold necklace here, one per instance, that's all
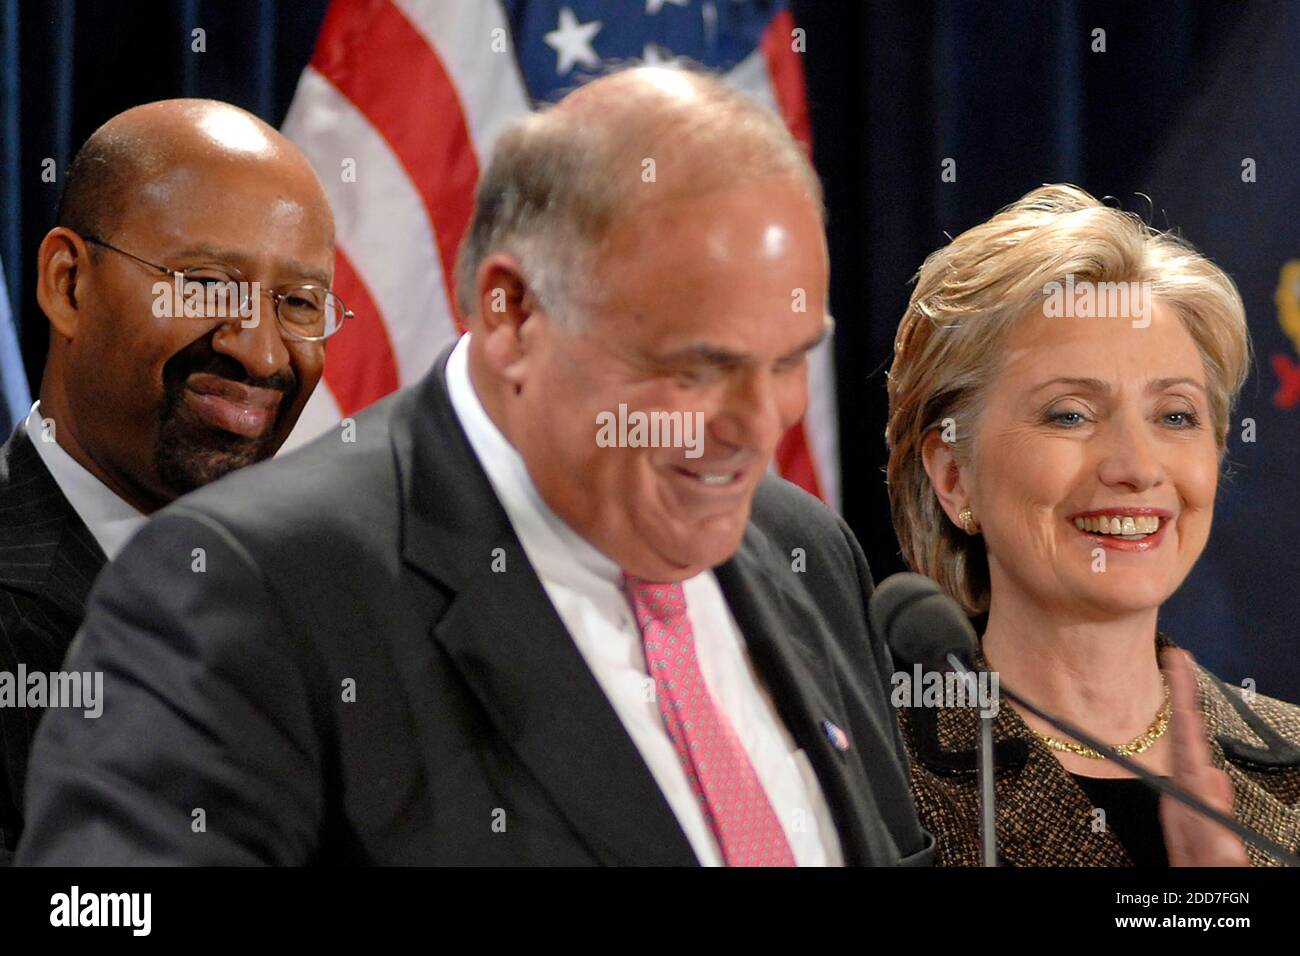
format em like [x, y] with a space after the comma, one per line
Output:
[1137, 745]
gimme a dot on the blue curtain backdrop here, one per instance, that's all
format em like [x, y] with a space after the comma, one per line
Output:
[1013, 91]
[66, 66]
[1183, 94]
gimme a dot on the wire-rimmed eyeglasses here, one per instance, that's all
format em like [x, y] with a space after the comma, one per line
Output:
[308, 313]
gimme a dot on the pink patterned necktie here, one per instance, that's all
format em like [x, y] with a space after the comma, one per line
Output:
[721, 775]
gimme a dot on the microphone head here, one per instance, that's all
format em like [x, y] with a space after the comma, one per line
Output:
[919, 622]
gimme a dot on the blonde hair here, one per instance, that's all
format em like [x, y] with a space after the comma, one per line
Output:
[969, 295]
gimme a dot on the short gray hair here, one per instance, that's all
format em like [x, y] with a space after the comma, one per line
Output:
[561, 178]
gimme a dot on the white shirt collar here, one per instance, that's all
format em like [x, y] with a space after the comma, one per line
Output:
[557, 552]
[110, 520]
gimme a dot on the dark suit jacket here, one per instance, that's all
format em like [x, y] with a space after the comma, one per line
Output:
[48, 561]
[345, 679]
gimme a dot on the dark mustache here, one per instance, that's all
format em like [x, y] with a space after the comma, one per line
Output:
[199, 356]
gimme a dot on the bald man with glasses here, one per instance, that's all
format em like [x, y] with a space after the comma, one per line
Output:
[187, 290]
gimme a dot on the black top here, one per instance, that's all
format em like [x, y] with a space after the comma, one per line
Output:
[1132, 814]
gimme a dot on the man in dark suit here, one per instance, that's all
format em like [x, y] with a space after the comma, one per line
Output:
[548, 607]
[141, 402]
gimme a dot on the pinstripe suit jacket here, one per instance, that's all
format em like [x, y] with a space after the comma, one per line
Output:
[48, 561]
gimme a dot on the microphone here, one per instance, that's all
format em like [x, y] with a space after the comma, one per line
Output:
[922, 624]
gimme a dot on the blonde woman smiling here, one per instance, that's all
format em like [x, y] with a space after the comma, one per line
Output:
[1056, 442]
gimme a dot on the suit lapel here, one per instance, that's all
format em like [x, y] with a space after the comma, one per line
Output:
[511, 647]
[1233, 726]
[504, 637]
[787, 642]
[39, 527]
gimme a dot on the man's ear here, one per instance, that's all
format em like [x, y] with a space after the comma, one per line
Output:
[61, 279]
[945, 476]
[505, 304]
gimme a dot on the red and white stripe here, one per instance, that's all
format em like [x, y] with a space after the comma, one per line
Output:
[399, 106]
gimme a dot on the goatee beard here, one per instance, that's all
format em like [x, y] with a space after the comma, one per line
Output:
[189, 453]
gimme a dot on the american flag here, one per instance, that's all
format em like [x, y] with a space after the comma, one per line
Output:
[398, 111]
[838, 738]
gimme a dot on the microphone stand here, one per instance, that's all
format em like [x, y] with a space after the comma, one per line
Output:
[1260, 842]
[988, 805]
[988, 808]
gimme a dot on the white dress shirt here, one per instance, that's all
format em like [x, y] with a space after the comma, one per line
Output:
[585, 587]
[110, 519]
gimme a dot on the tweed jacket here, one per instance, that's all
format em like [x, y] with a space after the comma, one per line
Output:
[1044, 818]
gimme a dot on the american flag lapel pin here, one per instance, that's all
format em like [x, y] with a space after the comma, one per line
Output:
[838, 738]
